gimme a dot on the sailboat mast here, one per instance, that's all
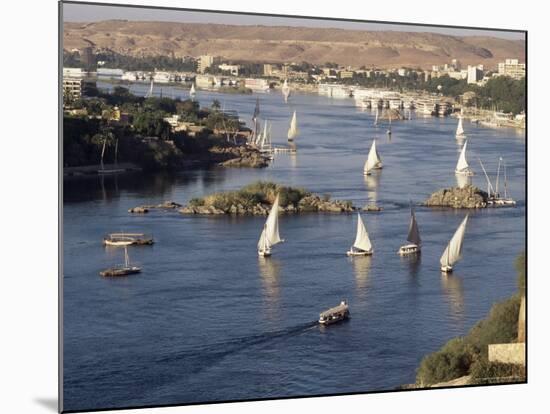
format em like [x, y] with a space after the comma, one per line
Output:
[489, 186]
[103, 152]
[126, 259]
[498, 174]
[116, 152]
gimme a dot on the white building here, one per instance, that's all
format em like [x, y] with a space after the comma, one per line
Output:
[73, 73]
[475, 73]
[233, 69]
[512, 68]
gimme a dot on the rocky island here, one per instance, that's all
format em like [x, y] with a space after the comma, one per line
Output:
[467, 197]
[257, 199]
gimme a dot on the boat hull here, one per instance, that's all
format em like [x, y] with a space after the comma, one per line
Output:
[334, 320]
[409, 249]
[123, 271]
[447, 269]
[359, 253]
[467, 173]
[264, 253]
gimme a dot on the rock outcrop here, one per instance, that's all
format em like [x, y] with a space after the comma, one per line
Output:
[467, 197]
[310, 203]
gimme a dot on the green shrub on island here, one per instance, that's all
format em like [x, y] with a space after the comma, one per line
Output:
[261, 192]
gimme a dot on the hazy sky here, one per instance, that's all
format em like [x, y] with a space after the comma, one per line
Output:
[89, 13]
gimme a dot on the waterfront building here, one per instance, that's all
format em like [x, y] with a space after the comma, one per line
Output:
[346, 74]
[256, 84]
[512, 68]
[74, 87]
[73, 73]
[110, 73]
[204, 81]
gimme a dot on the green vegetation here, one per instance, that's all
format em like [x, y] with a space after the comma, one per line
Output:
[143, 136]
[132, 63]
[468, 355]
[262, 192]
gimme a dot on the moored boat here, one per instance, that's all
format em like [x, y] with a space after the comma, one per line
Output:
[127, 239]
[121, 270]
[335, 314]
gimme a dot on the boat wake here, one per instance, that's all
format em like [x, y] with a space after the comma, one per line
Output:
[201, 358]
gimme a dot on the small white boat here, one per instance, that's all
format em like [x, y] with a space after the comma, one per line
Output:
[336, 314]
[373, 160]
[293, 130]
[270, 233]
[192, 91]
[362, 245]
[462, 166]
[453, 251]
[460, 129]
[413, 238]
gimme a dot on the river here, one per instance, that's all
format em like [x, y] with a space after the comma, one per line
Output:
[207, 320]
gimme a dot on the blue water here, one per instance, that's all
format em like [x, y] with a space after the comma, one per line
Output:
[207, 320]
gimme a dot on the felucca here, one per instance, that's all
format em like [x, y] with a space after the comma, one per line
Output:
[453, 251]
[462, 166]
[460, 129]
[413, 238]
[376, 117]
[362, 245]
[122, 270]
[373, 160]
[270, 233]
[293, 130]
[192, 91]
[286, 90]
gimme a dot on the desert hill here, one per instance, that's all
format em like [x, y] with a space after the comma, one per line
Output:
[290, 44]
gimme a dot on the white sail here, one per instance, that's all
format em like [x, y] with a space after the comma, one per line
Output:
[462, 164]
[459, 129]
[126, 257]
[270, 233]
[414, 233]
[149, 93]
[286, 90]
[293, 130]
[376, 117]
[373, 159]
[362, 240]
[453, 252]
[192, 91]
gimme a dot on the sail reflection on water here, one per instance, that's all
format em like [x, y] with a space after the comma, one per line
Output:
[454, 295]
[372, 182]
[361, 267]
[269, 269]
